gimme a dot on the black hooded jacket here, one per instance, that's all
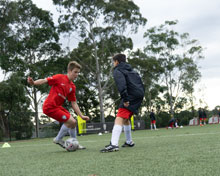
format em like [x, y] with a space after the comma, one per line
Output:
[129, 85]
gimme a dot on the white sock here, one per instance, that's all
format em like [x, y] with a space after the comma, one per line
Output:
[63, 131]
[155, 126]
[127, 130]
[151, 127]
[116, 132]
[72, 132]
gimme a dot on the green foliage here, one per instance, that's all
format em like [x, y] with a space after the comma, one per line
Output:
[21, 125]
[216, 111]
[101, 27]
[177, 56]
[28, 36]
[162, 119]
[29, 46]
[150, 70]
[1, 135]
[13, 101]
[29, 41]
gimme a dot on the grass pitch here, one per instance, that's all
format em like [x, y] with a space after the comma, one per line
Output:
[190, 151]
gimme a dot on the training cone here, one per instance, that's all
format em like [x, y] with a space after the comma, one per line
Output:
[6, 145]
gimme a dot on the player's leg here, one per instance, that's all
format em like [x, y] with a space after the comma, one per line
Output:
[151, 125]
[62, 115]
[73, 134]
[67, 125]
[116, 132]
[170, 125]
[117, 129]
[127, 131]
[200, 119]
[155, 127]
[204, 119]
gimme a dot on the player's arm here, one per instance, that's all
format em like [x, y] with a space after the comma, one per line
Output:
[37, 82]
[77, 110]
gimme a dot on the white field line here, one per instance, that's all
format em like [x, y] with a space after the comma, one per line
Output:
[107, 140]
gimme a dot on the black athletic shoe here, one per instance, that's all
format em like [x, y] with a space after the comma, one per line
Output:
[110, 148]
[128, 145]
[108, 144]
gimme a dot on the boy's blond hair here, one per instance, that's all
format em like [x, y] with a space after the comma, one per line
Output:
[72, 65]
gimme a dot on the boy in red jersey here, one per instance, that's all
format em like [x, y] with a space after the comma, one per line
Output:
[131, 89]
[62, 88]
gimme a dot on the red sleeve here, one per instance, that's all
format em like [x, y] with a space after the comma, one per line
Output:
[72, 95]
[53, 79]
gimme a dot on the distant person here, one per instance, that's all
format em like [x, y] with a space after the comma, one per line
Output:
[172, 123]
[200, 113]
[204, 116]
[131, 90]
[152, 120]
[62, 88]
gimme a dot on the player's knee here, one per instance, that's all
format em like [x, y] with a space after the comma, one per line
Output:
[71, 122]
[126, 122]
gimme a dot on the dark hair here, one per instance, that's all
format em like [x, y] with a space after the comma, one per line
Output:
[120, 58]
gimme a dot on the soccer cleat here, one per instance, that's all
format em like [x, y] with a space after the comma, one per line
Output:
[128, 145]
[80, 147]
[59, 142]
[110, 148]
[108, 144]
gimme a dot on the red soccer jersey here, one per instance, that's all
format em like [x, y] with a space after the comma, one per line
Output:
[62, 89]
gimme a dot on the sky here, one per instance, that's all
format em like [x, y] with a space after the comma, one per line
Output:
[199, 18]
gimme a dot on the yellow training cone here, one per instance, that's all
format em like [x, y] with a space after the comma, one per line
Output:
[6, 145]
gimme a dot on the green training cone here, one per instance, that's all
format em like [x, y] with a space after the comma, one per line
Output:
[6, 145]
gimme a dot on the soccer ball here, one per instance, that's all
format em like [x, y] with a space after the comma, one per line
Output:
[71, 144]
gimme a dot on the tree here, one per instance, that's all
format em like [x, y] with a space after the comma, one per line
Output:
[178, 56]
[14, 104]
[150, 71]
[100, 26]
[29, 40]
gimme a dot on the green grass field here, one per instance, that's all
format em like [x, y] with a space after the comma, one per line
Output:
[190, 151]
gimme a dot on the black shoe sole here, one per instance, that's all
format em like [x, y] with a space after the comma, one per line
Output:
[60, 145]
[107, 151]
[126, 145]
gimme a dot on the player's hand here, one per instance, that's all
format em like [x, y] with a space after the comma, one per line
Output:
[85, 118]
[30, 80]
[126, 104]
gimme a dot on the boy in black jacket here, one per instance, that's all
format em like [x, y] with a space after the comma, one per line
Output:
[131, 90]
[152, 120]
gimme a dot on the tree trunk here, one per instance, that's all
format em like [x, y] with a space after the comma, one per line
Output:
[100, 90]
[2, 125]
[36, 113]
[170, 96]
[102, 117]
